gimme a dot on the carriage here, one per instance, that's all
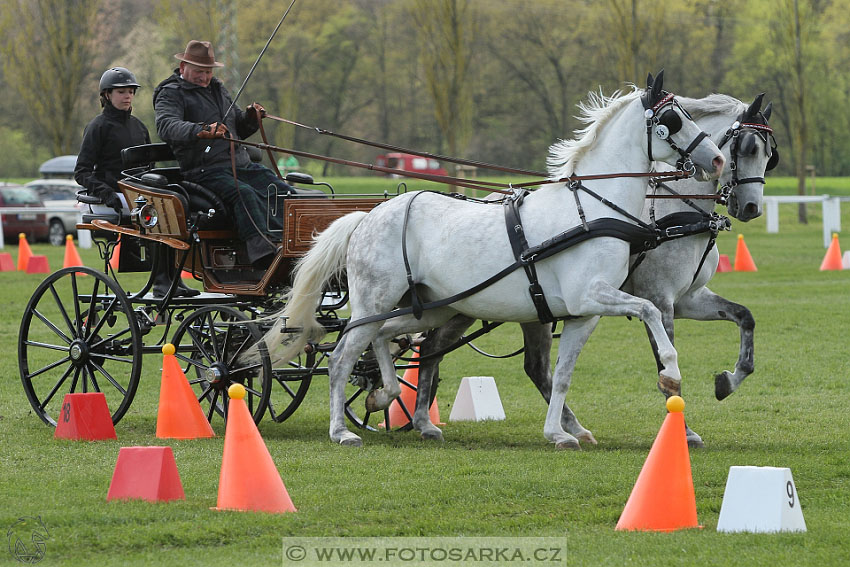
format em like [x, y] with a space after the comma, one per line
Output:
[83, 331]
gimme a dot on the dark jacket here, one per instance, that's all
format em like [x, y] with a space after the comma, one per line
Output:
[99, 163]
[183, 108]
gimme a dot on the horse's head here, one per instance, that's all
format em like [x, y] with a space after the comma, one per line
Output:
[752, 152]
[673, 137]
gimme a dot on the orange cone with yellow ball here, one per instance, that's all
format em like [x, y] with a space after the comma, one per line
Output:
[832, 259]
[249, 480]
[72, 256]
[662, 499]
[179, 415]
[24, 252]
[743, 259]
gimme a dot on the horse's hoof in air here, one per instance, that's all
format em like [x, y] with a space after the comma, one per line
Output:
[371, 403]
[572, 445]
[722, 385]
[668, 386]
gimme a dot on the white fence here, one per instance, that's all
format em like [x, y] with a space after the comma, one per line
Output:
[83, 236]
[831, 207]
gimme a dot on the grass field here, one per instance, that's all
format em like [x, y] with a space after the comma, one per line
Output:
[496, 479]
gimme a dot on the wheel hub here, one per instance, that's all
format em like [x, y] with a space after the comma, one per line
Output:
[79, 352]
[218, 376]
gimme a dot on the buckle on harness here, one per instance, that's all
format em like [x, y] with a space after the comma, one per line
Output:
[673, 231]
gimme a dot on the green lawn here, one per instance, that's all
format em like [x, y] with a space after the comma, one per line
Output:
[495, 478]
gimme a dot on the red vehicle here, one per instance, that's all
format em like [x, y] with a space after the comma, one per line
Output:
[410, 162]
[34, 225]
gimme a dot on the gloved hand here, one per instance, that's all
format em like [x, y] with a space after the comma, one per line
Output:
[255, 111]
[111, 199]
[214, 130]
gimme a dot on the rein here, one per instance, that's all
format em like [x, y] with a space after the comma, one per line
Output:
[492, 186]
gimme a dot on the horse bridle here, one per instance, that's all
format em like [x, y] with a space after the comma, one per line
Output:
[742, 136]
[664, 124]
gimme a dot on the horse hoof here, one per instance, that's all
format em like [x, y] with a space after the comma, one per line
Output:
[696, 442]
[433, 436]
[351, 442]
[722, 385]
[572, 445]
[668, 386]
[587, 437]
[371, 404]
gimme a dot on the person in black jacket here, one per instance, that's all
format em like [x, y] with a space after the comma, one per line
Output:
[99, 162]
[194, 112]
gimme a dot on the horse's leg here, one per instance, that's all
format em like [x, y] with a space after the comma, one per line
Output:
[340, 365]
[537, 342]
[429, 371]
[705, 305]
[381, 398]
[601, 298]
[573, 338]
[666, 307]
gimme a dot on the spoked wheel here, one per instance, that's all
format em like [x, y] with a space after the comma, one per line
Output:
[290, 385]
[79, 334]
[365, 379]
[210, 342]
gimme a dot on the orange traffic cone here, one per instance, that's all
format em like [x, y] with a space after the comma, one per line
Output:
[743, 260]
[72, 256]
[397, 417]
[832, 260]
[249, 480]
[114, 260]
[180, 415]
[24, 252]
[663, 497]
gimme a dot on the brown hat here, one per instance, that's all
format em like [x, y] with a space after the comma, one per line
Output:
[200, 54]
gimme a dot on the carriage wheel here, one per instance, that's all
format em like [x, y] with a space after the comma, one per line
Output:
[366, 378]
[292, 384]
[210, 342]
[79, 334]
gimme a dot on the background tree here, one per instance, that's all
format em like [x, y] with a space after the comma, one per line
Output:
[445, 30]
[48, 52]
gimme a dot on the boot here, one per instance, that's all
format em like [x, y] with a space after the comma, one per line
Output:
[166, 274]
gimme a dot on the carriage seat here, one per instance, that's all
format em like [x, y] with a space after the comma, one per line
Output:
[144, 164]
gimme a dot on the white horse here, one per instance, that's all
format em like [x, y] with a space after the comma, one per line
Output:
[427, 247]
[672, 276]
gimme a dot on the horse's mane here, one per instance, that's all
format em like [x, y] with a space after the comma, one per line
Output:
[712, 104]
[595, 112]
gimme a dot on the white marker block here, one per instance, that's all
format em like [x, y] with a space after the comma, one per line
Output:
[759, 500]
[845, 260]
[477, 400]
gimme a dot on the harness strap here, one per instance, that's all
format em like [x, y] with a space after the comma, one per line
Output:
[415, 302]
[639, 237]
[516, 235]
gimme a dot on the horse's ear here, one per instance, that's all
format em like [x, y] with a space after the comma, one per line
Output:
[649, 81]
[767, 111]
[658, 84]
[754, 108]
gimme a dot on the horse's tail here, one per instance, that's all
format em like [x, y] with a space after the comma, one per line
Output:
[322, 264]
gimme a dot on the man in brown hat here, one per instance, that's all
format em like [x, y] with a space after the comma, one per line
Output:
[190, 110]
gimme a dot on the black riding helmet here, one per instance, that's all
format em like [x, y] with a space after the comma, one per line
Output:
[115, 78]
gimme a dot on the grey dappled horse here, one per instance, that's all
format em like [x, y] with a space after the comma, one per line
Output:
[433, 247]
[672, 276]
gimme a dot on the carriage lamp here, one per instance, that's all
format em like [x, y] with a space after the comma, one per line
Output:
[144, 214]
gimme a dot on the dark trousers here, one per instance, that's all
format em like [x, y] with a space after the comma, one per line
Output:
[248, 204]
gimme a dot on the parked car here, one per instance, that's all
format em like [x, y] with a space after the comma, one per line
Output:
[58, 193]
[410, 162]
[34, 225]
